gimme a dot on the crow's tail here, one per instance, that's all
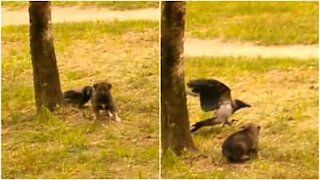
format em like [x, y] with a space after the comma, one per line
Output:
[206, 122]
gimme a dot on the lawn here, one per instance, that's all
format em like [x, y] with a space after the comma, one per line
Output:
[70, 144]
[267, 23]
[284, 98]
[113, 5]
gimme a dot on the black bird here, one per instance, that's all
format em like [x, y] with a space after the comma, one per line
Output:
[214, 95]
[78, 97]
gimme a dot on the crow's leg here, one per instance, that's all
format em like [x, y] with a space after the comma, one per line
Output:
[229, 122]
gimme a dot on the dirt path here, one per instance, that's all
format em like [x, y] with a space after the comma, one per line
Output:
[193, 47]
[216, 48]
[60, 15]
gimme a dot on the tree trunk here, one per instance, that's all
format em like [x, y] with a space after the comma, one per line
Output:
[175, 131]
[45, 70]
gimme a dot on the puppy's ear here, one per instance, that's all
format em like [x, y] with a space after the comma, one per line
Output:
[95, 86]
[258, 129]
[109, 85]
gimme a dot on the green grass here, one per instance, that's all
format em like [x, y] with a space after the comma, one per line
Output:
[267, 23]
[83, 30]
[69, 143]
[114, 5]
[284, 98]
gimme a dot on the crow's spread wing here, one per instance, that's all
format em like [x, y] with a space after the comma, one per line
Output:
[211, 92]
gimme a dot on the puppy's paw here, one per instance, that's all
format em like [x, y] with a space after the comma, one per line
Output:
[117, 119]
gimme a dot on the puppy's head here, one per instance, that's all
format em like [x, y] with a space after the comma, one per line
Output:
[251, 127]
[102, 87]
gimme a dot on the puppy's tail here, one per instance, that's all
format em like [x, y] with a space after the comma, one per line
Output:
[206, 122]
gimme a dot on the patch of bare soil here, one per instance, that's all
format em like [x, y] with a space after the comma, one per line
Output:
[60, 15]
[217, 48]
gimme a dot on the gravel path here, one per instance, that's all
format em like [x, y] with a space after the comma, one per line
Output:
[60, 15]
[193, 47]
[216, 48]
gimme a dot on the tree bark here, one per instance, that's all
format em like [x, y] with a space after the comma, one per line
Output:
[45, 70]
[175, 131]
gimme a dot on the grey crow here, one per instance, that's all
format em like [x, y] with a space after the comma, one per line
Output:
[214, 95]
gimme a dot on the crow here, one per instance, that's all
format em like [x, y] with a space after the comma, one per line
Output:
[78, 97]
[214, 95]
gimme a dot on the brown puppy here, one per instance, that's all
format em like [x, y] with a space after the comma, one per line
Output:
[239, 146]
[101, 99]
